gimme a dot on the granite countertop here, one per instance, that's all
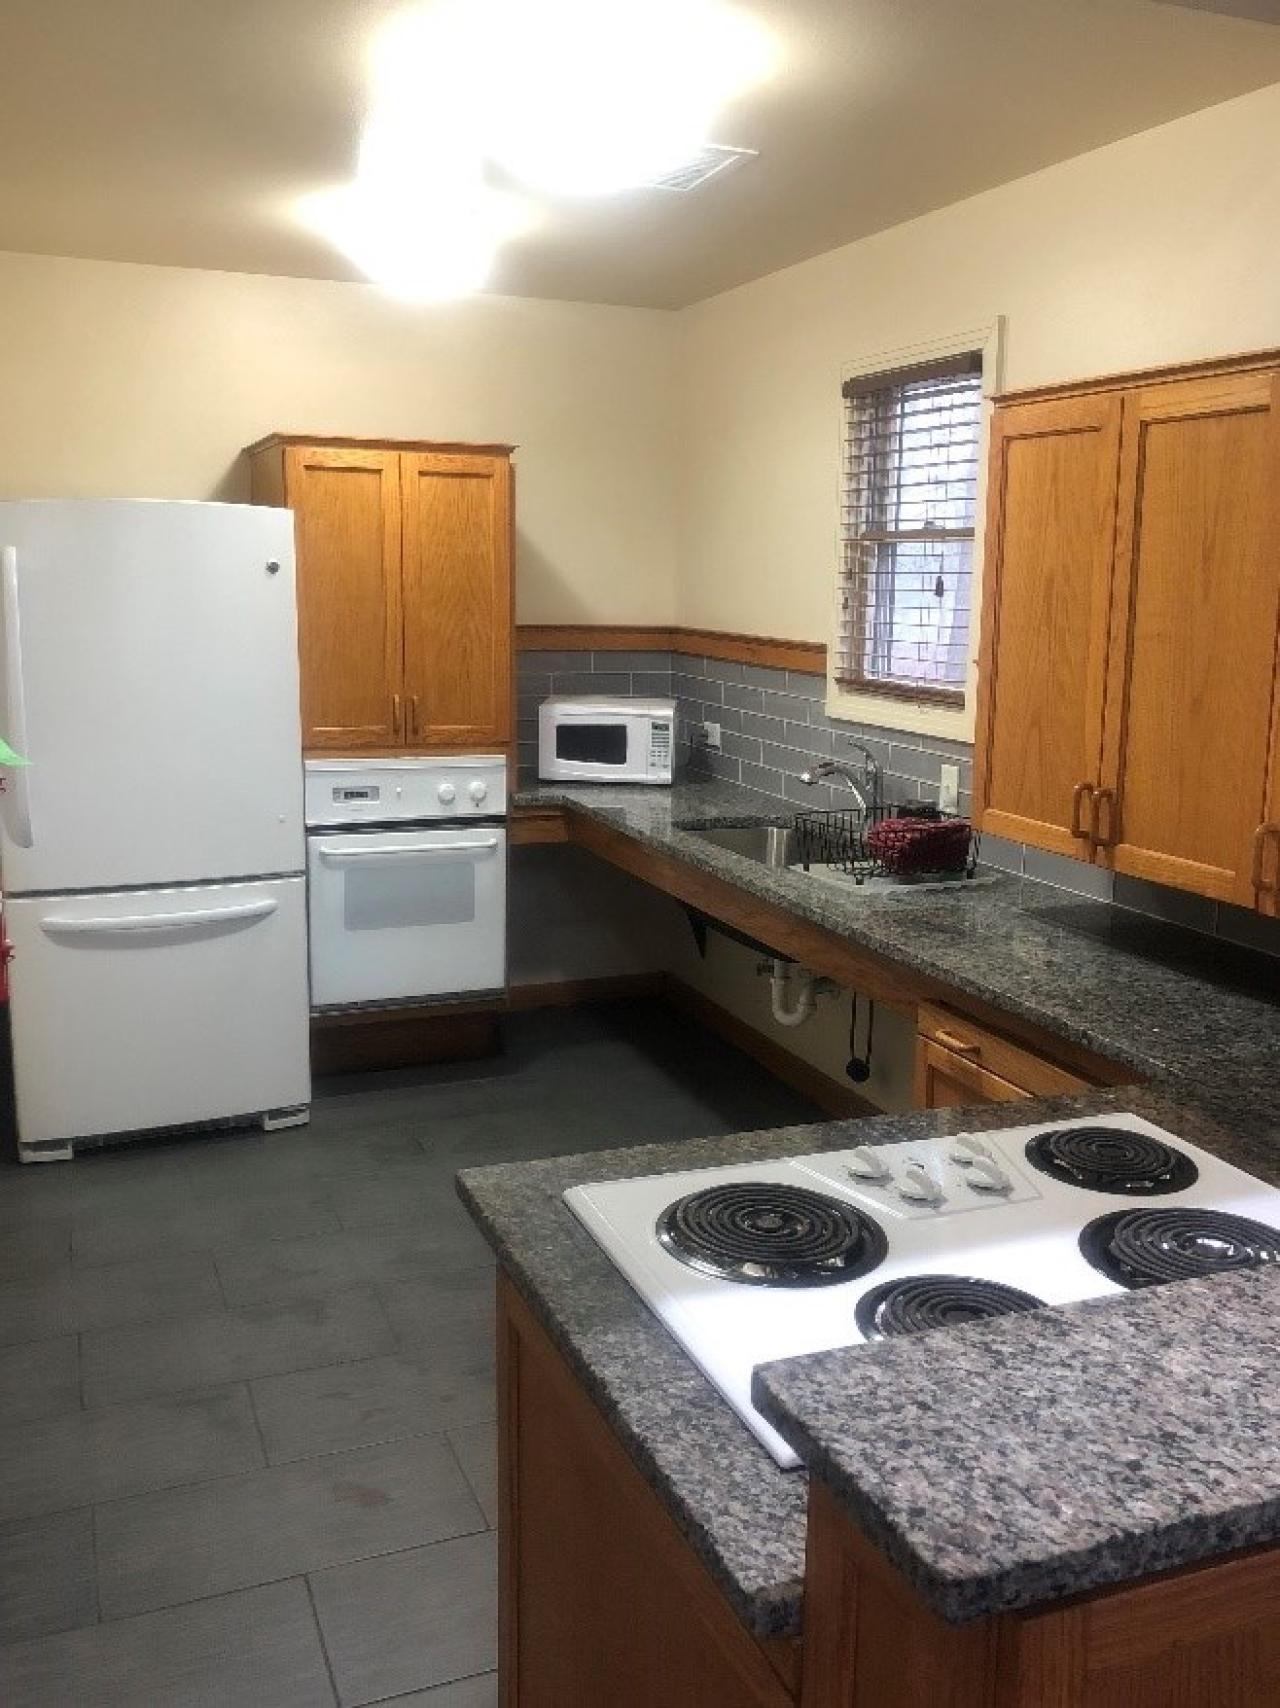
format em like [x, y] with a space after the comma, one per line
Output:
[1182, 1011]
[1175, 1385]
[1184, 1016]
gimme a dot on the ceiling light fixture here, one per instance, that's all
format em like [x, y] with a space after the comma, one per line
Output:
[570, 97]
[595, 96]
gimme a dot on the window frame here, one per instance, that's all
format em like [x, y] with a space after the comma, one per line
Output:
[922, 711]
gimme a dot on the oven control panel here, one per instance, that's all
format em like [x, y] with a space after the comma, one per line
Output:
[340, 792]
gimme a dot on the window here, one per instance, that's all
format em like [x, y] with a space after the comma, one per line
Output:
[910, 480]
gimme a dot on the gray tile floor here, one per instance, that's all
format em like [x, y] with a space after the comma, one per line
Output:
[246, 1385]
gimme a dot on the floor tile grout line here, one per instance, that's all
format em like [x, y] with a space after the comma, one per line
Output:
[467, 1479]
[441, 1684]
[320, 1638]
[306, 1572]
[97, 1575]
[257, 1424]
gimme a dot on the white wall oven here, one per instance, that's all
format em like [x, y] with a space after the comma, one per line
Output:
[407, 879]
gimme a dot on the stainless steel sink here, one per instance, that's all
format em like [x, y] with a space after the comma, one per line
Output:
[775, 845]
[770, 844]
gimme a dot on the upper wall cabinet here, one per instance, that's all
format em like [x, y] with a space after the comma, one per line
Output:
[1131, 619]
[404, 591]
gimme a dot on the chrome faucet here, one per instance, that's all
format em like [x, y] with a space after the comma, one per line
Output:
[871, 779]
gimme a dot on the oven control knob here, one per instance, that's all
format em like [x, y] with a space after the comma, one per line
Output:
[477, 790]
[916, 1183]
[862, 1163]
[986, 1175]
[968, 1151]
[446, 794]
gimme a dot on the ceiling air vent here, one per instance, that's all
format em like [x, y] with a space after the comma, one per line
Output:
[710, 160]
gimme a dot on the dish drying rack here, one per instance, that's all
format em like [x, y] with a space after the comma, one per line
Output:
[910, 844]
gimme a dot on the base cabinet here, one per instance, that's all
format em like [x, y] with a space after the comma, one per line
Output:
[603, 1603]
[1206, 1637]
[959, 1063]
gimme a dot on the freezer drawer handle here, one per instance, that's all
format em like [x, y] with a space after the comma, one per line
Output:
[136, 923]
[327, 851]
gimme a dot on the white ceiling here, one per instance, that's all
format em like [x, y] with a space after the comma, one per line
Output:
[181, 131]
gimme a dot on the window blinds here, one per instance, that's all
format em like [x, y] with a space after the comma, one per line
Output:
[907, 523]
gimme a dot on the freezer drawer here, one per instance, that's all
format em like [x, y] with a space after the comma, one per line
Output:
[157, 1008]
[403, 914]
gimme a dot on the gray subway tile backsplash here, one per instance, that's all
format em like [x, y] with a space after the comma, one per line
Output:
[774, 725]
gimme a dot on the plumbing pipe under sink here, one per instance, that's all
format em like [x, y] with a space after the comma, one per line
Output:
[788, 1012]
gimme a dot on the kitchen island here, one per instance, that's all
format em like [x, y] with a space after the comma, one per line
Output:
[650, 1542]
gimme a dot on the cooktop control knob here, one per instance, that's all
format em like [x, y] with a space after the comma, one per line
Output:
[916, 1183]
[477, 790]
[986, 1175]
[967, 1151]
[862, 1163]
[446, 794]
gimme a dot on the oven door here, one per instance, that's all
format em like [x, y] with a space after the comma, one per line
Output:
[397, 915]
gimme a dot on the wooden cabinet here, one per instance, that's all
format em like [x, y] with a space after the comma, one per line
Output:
[1130, 627]
[1201, 1637]
[601, 1599]
[959, 1063]
[1193, 637]
[1052, 504]
[405, 627]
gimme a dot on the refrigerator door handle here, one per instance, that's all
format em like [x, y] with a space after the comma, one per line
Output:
[15, 800]
[190, 919]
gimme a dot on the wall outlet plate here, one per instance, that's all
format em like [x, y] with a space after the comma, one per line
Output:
[711, 737]
[949, 788]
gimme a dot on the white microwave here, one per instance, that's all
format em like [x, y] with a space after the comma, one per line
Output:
[606, 739]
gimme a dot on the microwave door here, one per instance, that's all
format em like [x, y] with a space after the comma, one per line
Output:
[599, 742]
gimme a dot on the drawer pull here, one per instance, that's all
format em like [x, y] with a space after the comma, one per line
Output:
[1261, 837]
[1104, 799]
[1077, 804]
[957, 1045]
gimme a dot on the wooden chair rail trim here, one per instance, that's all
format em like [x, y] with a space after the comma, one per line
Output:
[1244, 362]
[809, 657]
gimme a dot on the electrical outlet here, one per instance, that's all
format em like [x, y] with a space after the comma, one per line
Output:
[949, 788]
[711, 737]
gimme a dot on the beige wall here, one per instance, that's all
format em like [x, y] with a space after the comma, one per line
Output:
[1158, 249]
[145, 381]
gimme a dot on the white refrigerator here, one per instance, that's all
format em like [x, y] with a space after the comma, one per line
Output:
[151, 853]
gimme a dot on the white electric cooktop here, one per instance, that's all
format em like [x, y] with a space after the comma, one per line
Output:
[761, 1260]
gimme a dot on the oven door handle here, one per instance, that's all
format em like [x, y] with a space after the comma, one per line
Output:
[336, 856]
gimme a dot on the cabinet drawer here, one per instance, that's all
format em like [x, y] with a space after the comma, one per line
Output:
[964, 1041]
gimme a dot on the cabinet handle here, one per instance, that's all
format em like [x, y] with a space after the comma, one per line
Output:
[1261, 836]
[413, 716]
[395, 713]
[1103, 798]
[1077, 801]
[957, 1045]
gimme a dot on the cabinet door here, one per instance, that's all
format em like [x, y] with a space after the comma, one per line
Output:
[1193, 645]
[346, 504]
[945, 1080]
[457, 600]
[1047, 588]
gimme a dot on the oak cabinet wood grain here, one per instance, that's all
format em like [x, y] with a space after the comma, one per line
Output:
[1193, 636]
[1128, 707]
[405, 587]
[1051, 526]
